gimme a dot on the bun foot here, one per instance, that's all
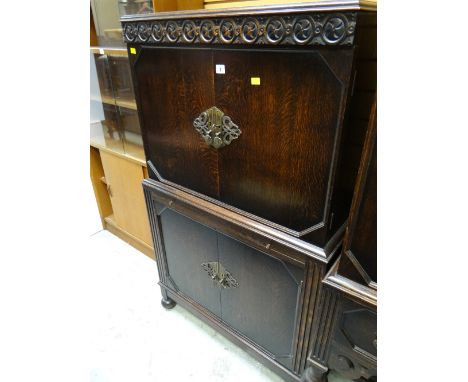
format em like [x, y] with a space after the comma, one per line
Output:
[168, 303]
[314, 375]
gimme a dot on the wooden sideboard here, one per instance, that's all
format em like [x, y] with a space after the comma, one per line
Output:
[351, 284]
[252, 127]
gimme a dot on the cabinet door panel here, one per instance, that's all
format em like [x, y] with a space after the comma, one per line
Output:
[263, 306]
[187, 245]
[174, 87]
[128, 204]
[279, 168]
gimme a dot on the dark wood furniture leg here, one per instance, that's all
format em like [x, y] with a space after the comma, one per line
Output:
[314, 374]
[168, 303]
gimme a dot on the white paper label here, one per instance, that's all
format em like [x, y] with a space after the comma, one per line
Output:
[220, 69]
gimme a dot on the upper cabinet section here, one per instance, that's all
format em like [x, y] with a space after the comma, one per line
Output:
[254, 130]
[252, 117]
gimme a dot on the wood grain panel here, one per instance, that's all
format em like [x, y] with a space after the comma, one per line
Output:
[279, 167]
[174, 87]
[124, 181]
[187, 245]
[268, 292]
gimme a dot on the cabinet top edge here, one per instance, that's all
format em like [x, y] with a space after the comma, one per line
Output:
[318, 6]
[310, 250]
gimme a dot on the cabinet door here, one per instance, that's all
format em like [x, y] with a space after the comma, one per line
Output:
[174, 87]
[279, 168]
[264, 305]
[128, 204]
[187, 246]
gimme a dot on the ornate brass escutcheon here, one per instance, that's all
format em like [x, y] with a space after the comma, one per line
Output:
[216, 128]
[220, 275]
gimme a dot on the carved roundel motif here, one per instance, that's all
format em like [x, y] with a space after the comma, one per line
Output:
[334, 30]
[158, 32]
[227, 31]
[207, 31]
[172, 31]
[189, 31]
[144, 32]
[275, 31]
[131, 32]
[303, 30]
[249, 31]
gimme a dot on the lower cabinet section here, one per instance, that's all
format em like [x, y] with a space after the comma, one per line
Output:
[351, 345]
[264, 305]
[244, 279]
[254, 293]
[187, 245]
[353, 351]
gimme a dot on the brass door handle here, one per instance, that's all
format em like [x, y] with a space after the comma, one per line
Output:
[220, 275]
[216, 128]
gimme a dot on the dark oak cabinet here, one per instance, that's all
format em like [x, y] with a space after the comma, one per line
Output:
[253, 150]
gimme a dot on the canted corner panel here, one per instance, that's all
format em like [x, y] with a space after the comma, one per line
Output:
[156, 236]
[295, 29]
[354, 334]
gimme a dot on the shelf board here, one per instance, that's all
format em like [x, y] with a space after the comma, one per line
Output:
[129, 104]
[120, 153]
[126, 103]
[121, 52]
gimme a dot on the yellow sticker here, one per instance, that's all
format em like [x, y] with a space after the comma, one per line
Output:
[254, 80]
[132, 50]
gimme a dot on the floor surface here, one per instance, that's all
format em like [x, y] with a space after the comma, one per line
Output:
[136, 340]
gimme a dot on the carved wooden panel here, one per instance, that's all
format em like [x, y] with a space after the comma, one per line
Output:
[291, 29]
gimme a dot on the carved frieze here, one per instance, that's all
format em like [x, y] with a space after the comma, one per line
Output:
[300, 29]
